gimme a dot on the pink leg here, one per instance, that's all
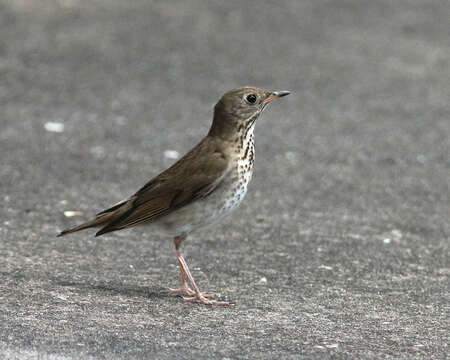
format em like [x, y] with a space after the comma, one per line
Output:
[184, 289]
[195, 295]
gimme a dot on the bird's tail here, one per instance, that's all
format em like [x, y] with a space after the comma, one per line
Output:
[102, 219]
[98, 221]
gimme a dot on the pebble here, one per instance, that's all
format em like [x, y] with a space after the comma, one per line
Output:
[72, 213]
[262, 281]
[171, 154]
[55, 127]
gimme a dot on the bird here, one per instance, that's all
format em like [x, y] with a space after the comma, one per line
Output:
[198, 190]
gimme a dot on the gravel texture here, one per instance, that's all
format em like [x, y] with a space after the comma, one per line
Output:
[340, 249]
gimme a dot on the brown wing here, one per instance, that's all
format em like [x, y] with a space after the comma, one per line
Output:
[194, 176]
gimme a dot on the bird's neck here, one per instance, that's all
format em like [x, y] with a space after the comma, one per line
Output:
[245, 146]
[223, 126]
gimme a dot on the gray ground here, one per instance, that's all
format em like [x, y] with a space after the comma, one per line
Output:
[341, 247]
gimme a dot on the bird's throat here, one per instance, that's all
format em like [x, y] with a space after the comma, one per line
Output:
[247, 145]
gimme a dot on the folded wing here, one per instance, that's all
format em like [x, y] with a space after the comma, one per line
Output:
[194, 176]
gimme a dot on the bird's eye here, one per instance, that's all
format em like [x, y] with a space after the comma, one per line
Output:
[251, 98]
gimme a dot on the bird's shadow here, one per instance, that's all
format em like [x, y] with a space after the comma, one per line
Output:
[117, 289]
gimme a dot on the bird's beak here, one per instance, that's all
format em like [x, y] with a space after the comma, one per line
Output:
[275, 95]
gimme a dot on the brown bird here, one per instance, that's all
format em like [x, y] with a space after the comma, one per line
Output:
[199, 189]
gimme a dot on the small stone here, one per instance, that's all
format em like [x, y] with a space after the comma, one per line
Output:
[325, 267]
[56, 127]
[171, 154]
[72, 213]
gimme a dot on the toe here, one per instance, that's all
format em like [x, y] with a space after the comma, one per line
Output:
[202, 299]
[183, 291]
[208, 296]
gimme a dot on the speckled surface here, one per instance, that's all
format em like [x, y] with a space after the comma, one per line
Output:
[340, 249]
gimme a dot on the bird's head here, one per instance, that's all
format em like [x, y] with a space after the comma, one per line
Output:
[239, 108]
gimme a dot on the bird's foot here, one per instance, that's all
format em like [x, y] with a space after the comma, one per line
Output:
[186, 290]
[194, 295]
[203, 298]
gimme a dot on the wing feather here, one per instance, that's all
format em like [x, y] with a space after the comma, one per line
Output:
[194, 176]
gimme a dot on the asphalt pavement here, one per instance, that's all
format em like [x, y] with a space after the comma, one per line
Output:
[341, 247]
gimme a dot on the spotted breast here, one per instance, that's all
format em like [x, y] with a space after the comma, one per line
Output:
[243, 170]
